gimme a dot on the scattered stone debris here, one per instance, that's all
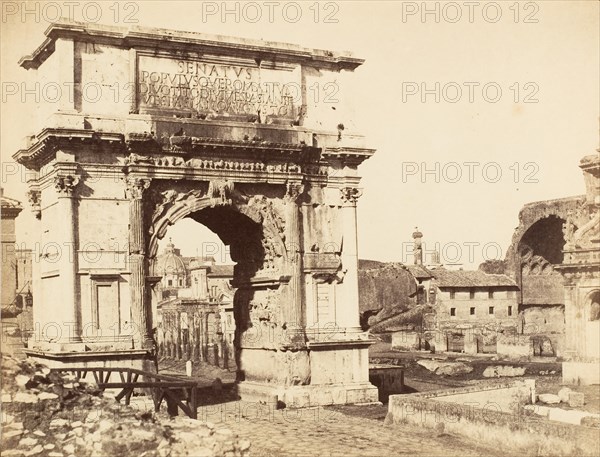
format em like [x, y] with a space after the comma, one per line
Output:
[547, 372]
[576, 399]
[56, 415]
[445, 368]
[549, 399]
[503, 371]
[563, 394]
[591, 421]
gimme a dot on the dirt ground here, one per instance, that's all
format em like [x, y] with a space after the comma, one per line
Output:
[545, 371]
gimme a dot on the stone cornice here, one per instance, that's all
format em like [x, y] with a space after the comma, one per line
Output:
[164, 157]
[48, 141]
[153, 38]
[186, 145]
[349, 155]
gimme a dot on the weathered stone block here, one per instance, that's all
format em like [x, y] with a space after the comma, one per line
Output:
[549, 399]
[576, 399]
[563, 394]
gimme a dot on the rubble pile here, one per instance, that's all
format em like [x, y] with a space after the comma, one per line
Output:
[56, 415]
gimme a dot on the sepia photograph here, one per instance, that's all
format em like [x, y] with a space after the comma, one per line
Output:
[300, 228]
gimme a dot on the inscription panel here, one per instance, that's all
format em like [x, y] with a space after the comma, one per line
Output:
[203, 89]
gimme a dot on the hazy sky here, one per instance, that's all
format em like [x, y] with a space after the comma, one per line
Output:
[543, 56]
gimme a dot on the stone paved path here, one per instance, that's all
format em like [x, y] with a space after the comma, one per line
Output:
[323, 432]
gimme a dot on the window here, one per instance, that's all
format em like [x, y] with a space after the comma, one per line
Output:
[452, 294]
[510, 310]
[490, 294]
[453, 311]
[472, 311]
[472, 294]
[491, 310]
[170, 282]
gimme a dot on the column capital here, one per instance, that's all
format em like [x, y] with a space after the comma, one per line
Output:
[65, 184]
[35, 200]
[135, 187]
[350, 195]
[293, 190]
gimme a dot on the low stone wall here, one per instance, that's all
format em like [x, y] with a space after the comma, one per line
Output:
[514, 346]
[476, 412]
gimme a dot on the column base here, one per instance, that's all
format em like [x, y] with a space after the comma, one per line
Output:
[324, 373]
[306, 396]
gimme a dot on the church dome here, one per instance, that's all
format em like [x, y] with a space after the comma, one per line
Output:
[169, 262]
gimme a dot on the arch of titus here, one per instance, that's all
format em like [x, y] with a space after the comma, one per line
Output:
[139, 128]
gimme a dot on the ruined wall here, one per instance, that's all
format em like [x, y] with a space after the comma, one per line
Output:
[489, 414]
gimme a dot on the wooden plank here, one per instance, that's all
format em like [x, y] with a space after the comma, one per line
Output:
[178, 402]
[157, 397]
[121, 394]
[194, 403]
[128, 396]
[120, 385]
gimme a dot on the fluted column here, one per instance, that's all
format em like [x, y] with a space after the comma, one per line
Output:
[137, 263]
[35, 200]
[348, 315]
[70, 315]
[295, 314]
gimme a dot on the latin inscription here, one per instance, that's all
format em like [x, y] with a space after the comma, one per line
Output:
[207, 88]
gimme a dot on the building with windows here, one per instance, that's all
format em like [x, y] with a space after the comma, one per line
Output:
[193, 307]
[456, 310]
[472, 309]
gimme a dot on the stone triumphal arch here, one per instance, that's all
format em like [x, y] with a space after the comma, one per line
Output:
[252, 139]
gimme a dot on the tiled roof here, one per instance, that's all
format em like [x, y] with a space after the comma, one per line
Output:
[221, 270]
[470, 278]
[419, 271]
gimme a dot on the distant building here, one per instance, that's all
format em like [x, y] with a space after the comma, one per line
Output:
[10, 210]
[472, 309]
[456, 310]
[15, 307]
[193, 306]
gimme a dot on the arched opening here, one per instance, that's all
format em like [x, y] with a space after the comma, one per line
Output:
[545, 239]
[200, 259]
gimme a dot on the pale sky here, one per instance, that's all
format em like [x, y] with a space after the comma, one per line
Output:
[554, 61]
